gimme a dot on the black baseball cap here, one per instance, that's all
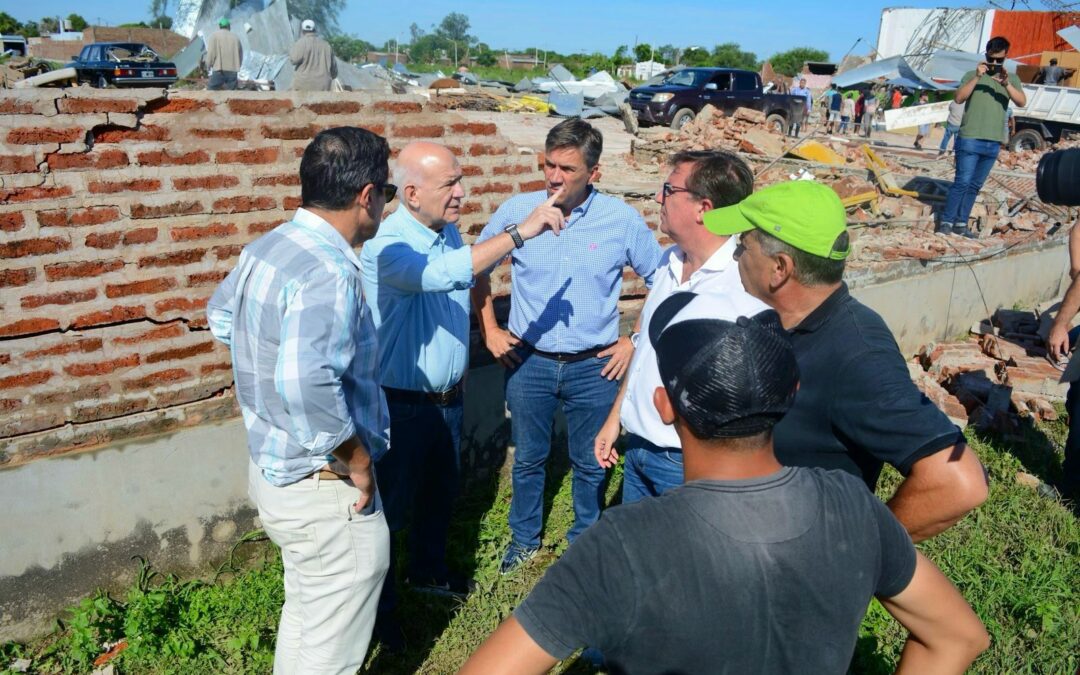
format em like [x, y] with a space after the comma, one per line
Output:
[728, 374]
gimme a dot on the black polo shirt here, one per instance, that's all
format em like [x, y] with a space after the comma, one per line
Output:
[856, 406]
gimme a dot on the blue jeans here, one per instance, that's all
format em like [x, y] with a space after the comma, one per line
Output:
[974, 159]
[950, 131]
[649, 470]
[420, 474]
[534, 389]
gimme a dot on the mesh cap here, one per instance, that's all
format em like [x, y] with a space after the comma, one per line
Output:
[727, 375]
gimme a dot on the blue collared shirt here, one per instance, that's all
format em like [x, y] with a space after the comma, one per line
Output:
[565, 288]
[804, 92]
[417, 284]
[304, 357]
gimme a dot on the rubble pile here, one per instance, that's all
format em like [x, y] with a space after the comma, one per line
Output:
[1028, 160]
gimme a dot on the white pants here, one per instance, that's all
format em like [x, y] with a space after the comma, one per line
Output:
[335, 562]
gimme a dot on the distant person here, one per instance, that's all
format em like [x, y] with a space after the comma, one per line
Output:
[1051, 74]
[897, 99]
[801, 90]
[924, 129]
[751, 566]
[870, 108]
[952, 124]
[223, 57]
[313, 60]
[847, 113]
[835, 103]
[860, 108]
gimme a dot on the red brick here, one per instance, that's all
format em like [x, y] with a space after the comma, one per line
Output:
[27, 194]
[398, 107]
[17, 164]
[181, 352]
[205, 182]
[11, 106]
[491, 188]
[214, 367]
[106, 159]
[103, 240]
[480, 150]
[112, 133]
[110, 410]
[475, 128]
[144, 287]
[279, 179]
[69, 347]
[9, 404]
[263, 226]
[226, 252]
[472, 170]
[11, 221]
[207, 278]
[17, 277]
[512, 169]
[97, 105]
[85, 392]
[244, 204]
[40, 246]
[79, 217]
[135, 185]
[140, 235]
[532, 186]
[291, 203]
[164, 158]
[166, 210]
[117, 314]
[26, 379]
[334, 107]
[300, 133]
[266, 106]
[82, 270]
[41, 135]
[65, 298]
[173, 258]
[101, 367]
[178, 105]
[231, 134]
[211, 231]
[471, 207]
[418, 131]
[28, 327]
[377, 129]
[156, 379]
[180, 304]
[252, 156]
[173, 330]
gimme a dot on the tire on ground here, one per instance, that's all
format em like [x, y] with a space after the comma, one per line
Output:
[1026, 139]
[778, 122]
[681, 118]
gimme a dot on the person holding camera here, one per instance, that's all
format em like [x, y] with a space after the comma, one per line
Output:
[987, 91]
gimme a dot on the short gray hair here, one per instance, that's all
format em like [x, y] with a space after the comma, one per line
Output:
[810, 270]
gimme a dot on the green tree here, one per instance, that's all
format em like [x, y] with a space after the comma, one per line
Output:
[730, 55]
[49, 24]
[621, 56]
[9, 25]
[323, 12]
[667, 54]
[697, 56]
[29, 29]
[161, 22]
[76, 22]
[158, 8]
[349, 47]
[791, 62]
[643, 51]
[415, 32]
[455, 26]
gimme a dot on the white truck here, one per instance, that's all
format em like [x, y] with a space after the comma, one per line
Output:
[1052, 114]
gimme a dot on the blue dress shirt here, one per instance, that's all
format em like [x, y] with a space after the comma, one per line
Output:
[565, 288]
[417, 282]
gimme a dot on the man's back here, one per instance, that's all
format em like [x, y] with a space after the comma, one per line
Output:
[772, 574]
[223, 51]
[313, 60]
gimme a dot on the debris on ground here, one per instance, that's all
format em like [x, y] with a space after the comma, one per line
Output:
[21, 68]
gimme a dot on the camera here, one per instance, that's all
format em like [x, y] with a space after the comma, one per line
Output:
[1058, 177]
[994, 69]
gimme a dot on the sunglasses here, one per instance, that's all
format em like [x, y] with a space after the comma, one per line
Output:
[668, 189]
[995, 59]
[388, 191]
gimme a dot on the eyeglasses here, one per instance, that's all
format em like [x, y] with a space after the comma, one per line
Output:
[668, 189]
[995, 59]
[388, 191]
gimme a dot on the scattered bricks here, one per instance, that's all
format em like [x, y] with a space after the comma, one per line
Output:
[173, 330]
[102, 367]
[159, 378]
[69, 347]
[43, 135]
[112, 409]
[278, 179]
[28, 327]
[28, 247]
[532, 185]
[226, 252]
[180, 304]
[945, 361]
[266, 106]
[398, 107]
[472, 170]
[263, 226]
[301, 133]
[491, 188]
[512, 169]
[334, 107]
[214, 367]
[481, 150]
[211, 231]
[174, 258]
[166, 210]
[205, 183]
[78, 218]
[291, 203]
[106, 159]
[1005, 350]
[26, 379]
[97, 105]
[181, 352]
[164, 158]
[17, 277]
[104, 240]
[65, 298]
[11, 222]
[141, 235]
[113, 133]
[27, 194]
[144, 287]
[230, 134]
[474, 128]
[253, 156]
[749, 115]
[117, 314]
[178, 105]
[206, 278]
[17, 164]
[136, 185]
[83, 393]
[901, 252]
[244, 204]
[418, 131]
[82, 270]
[945, 401]
[11, 106]
[1035, 376]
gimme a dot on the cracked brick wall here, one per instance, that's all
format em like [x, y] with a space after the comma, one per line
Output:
[120, 211]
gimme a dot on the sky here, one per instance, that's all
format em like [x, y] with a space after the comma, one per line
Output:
[569, 26]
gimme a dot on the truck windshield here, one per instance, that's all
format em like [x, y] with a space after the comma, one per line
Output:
[687, 78]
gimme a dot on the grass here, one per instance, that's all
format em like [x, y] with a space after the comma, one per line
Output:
[1017, 560]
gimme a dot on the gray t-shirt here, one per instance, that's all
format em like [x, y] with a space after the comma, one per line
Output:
[766, 575]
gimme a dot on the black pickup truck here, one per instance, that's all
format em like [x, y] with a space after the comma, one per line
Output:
[679, 96]
[122, 64]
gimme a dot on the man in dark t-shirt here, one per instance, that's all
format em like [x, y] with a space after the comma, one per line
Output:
[857, 407]
[750, 567]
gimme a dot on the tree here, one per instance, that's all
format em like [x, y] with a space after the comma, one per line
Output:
[791, 62]
[642, 51]
[730, 55]
[159, 8]
[76, 22]
[349, 47]
[667, 54]
[29, 29]
[161, 22]
[9, 25]
[455, 26]
[415, 32]
[323, 12]
[697, 56]
[49, 24]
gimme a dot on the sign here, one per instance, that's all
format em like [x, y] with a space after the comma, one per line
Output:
[902, 118]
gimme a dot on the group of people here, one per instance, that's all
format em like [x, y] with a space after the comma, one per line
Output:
[843, 112]
[760, 401]
[311, 56]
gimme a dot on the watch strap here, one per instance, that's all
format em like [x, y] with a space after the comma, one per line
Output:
[512, 230]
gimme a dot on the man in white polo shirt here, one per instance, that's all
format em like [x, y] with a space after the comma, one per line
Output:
[701, 262]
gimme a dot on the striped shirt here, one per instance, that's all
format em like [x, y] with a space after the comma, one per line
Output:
[565, 288]
[303, 346]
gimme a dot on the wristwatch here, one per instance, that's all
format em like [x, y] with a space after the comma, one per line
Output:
[511, 230]
[634, 338]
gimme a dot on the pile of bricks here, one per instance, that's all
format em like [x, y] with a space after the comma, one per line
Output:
[1028, 160]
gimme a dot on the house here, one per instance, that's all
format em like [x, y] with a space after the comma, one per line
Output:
[643, 70]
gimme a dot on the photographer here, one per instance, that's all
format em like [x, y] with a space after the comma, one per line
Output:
[987, 91]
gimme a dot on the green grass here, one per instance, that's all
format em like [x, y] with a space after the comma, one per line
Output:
[1017, 560]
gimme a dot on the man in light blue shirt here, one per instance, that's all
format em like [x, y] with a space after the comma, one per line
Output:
[563, 345]
[801, 90]
[417, 273]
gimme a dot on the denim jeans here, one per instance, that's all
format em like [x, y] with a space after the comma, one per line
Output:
[974, 159]
[649, 470]
[950, 131]
[420, 474]
[534, 389]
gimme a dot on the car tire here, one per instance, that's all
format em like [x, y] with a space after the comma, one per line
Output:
[778, 122]
[1026, 139]
[682, 117]
[101, 82]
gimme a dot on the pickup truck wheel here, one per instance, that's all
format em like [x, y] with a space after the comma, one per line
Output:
[682, 117]
[777, 122]
[1026, 139]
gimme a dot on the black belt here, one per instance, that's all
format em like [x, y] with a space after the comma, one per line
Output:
[447, 397]
[568, 357]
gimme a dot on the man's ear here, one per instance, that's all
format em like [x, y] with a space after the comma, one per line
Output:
[704, 206]
[595, 174]
[783, 270]
[663, 405]
[408, 192]
[366, 196]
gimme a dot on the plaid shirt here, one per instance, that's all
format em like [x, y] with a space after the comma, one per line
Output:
[303, 346]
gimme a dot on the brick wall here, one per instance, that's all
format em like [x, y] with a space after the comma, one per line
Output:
[164, 42]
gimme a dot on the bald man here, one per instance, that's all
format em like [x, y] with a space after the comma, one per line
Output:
[417, 273]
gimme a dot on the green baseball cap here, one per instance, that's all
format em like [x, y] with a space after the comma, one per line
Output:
[223, 22]
[802, 213]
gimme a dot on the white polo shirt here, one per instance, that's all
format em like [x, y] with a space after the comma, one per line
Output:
[718, 276]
